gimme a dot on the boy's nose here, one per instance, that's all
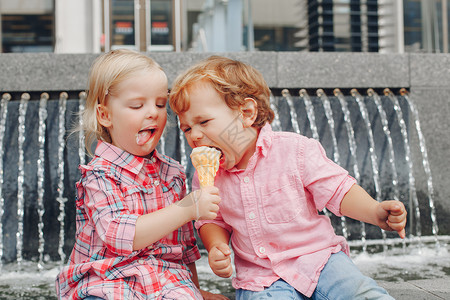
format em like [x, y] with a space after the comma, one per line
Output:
[196, 134]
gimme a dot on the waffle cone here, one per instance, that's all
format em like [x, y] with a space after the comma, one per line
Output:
[206, 162]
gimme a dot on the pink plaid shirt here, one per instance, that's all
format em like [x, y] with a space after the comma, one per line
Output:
[115, 188]
[271, 210]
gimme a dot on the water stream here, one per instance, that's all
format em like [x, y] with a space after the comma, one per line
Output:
[368, 135]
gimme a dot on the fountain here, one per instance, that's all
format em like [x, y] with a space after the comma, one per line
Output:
[372, 131]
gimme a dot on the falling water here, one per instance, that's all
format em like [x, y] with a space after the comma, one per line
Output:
[387, 132]
[293, 114]
[21, 176]
[352, 146]
[411, 180]
[81, 147]
[183, 159]
[42, 164]
[350, 132]
[426, 165]
[162, 145]
[373, 155]
[40, 175]
[310, 113]
[276, 125]
[61, 200]
[3, 114]
[329, 115]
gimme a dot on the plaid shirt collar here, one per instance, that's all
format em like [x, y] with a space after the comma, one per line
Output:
[124, 159]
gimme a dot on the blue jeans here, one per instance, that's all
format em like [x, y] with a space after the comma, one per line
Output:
[339, 279]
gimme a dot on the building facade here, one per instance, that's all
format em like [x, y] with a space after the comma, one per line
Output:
[91, 26]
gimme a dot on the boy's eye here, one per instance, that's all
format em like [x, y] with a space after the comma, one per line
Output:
[186, 130]
[204, 122]
[136, 106]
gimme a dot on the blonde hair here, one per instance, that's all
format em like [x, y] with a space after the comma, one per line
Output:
[232, 79]
[107, 71]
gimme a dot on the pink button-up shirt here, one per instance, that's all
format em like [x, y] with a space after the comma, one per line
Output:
[271, 210]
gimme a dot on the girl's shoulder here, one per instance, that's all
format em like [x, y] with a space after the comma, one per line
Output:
[99, 165]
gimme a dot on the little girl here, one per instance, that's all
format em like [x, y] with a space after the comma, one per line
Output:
[134, 237]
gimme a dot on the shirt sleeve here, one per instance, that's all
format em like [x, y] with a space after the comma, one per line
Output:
[326, 181]
[105, 205]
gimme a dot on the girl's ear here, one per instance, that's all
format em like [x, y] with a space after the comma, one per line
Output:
[103, 116]
[248, 111]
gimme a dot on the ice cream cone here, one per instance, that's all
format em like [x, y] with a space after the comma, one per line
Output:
[206, 162]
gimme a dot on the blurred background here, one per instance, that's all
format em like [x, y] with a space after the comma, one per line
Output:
[93, 26]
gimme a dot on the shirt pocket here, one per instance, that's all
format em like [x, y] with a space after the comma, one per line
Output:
[135, 198]
[280, 200]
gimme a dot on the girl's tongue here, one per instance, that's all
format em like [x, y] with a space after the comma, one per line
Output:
[143, 136]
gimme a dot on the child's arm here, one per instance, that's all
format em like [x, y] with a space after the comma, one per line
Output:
[388, 215]
[156, 225]
[215, 239]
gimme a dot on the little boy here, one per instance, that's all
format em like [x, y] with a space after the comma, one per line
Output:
[272, 185]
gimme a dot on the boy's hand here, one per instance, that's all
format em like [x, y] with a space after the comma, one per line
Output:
[220, 260]
[391, 216]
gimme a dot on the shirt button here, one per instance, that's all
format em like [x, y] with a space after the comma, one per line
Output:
[157, 294]
[262, 249]
[156, 183]
[246, 179]
[153, 159]
[141, 261]
[251, 215]
[150, 247]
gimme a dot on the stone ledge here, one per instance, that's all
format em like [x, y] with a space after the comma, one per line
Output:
[29, 72]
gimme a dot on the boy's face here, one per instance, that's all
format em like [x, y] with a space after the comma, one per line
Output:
[210, 122]
[136, 114]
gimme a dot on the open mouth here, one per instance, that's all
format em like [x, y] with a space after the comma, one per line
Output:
[222, 158]
[143, 136]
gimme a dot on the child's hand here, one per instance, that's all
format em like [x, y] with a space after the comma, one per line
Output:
[202, 204]
[220, 260]
[210, 296]
[391, 216]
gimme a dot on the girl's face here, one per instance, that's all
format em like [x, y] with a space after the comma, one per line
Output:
[136, 114]
[209, 121]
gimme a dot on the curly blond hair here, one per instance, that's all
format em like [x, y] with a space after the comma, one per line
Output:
[232, 79]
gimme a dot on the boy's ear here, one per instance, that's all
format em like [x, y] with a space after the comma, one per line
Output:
[103, 116]
[248, 111]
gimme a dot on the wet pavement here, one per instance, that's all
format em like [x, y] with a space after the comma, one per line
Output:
[429, 289]
[413, 273]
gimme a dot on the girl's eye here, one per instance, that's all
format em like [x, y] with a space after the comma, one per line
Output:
[136, 106]
[161, 105]
[186, 130]
[204, 122]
